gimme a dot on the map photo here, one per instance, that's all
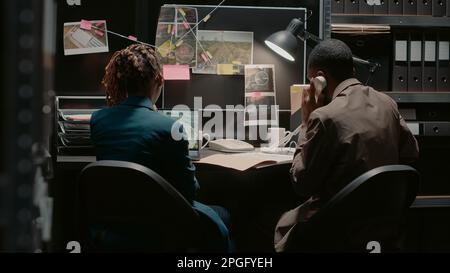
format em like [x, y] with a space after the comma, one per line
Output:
[80, 41]
[175, 35]
[215, 48]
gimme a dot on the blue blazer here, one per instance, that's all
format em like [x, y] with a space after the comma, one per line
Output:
[132, 131]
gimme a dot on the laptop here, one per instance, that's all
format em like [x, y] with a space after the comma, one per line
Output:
[190, 121]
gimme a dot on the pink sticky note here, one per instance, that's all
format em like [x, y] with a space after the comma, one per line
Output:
[204, 57]
[173, 31]
[100, 24]
[256, 94]
[132, 38]
[100, 33]
[86, 25]
[176, 72]
[186, 25]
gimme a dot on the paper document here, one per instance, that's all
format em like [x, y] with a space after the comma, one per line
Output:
[79, 117]
[245, 161]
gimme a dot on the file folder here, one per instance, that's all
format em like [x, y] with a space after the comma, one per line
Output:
[395, 7]
[382, 8]
[443, 63]
[410, 7]
[365, 8]
[415, 63]
[337, 6]
[400, 69]
[429, 63]
[448, 8]
[439, 8]
[424, 7]
[351, 6]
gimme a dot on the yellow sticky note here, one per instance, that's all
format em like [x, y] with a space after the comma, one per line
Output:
[206, 18]
[227, 69]
[182, 12]
[166, 48]
[169, 29]
[180, 42]
[296, 88]
[209, 54]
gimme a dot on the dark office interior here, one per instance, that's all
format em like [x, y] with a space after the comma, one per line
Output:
[63, 190]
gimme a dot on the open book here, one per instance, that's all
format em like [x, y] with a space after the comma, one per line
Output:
[245, 161]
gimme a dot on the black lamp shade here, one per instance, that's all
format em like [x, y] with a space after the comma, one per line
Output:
[285, 42]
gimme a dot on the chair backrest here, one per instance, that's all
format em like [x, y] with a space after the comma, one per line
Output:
[127, 207]
[371, 208]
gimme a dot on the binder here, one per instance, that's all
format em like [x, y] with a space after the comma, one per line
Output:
[424, 7]
[365, 8]
[382, 8]
[429, 62]
[410, 7]
[415, 63]
[395, 7]
[400, 69]
[448, 8]
[443, 63]
[337, 6]
[351, 6]
[439, 8]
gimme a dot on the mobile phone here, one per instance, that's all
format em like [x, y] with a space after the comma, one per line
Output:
[319, 84]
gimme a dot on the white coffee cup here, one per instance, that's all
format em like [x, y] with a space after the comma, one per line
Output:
[277, 137]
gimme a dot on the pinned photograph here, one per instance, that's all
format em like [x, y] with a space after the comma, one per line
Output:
[175, 35]
[85, 37]
[259, 78]
[261, 115]
[260, 100]
[223, 52]
[260, 95]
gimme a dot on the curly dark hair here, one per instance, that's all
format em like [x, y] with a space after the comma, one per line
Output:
[333, 56]
[130, 71]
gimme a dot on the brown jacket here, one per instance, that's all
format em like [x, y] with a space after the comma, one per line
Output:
[359, 130]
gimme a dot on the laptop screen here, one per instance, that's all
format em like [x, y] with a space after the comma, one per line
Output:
[190, 121]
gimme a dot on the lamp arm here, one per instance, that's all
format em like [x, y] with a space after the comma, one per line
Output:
[305, 35]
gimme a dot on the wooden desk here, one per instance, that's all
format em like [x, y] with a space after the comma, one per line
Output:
[255, 198]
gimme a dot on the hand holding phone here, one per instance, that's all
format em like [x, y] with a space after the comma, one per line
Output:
[313, 98]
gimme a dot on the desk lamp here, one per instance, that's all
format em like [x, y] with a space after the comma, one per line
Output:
[285, 43]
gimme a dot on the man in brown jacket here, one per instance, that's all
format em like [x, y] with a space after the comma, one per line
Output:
[348, 130]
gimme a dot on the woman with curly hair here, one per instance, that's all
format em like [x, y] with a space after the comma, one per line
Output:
[132, 130]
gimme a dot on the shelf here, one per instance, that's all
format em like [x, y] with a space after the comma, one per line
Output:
[420, 97]
[431, 202]
[392, 20]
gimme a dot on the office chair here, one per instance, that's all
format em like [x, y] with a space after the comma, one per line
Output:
[126, 207]
[371, 208]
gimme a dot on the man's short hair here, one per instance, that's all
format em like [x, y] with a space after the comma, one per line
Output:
[334, 57]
